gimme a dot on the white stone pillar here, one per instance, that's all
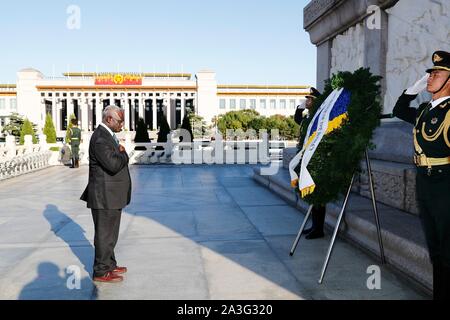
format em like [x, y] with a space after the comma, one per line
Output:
[43, 113]
[54, 111]
[127, 114]
[91, 114]
[85, 114]
[194, 106]
[167, 102]
[132, 106]
[58, 115]
[183, 106]
[155, 114]
[70, 108]
[141, 107]
[98, 111]
[11, 146]
[28, 143]
[43, 142]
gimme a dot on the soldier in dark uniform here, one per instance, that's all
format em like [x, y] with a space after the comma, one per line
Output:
[302, 113]
[318, 212]
[75, 140]
[432, 158]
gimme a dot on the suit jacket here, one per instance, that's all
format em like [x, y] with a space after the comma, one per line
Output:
[109, 184]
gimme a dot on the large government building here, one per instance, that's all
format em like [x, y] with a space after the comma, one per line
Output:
[142, 95]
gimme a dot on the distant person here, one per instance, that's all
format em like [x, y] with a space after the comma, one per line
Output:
[75, 141]
[108, 192]
[318, 212]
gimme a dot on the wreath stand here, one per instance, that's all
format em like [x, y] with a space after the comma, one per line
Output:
[339, 220]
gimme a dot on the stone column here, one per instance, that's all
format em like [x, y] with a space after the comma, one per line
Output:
[127, 114]
[58, 115]
[183, 106]
[84, 115]
[43, 112]
[169, 111]
[324, 67]
[155, 113]
[54, 111]
[70, 108]
[98, 111]
[132, 106]
[141, 107]
[376, 43]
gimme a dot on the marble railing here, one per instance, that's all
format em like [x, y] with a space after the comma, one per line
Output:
[18, 160]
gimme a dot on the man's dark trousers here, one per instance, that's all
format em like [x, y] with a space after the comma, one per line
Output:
[107, 225]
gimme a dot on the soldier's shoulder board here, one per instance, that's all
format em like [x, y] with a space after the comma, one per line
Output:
[445, 104]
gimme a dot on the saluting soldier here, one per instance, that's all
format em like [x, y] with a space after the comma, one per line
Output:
[318, 212]
[303, 113]
[432, 157]
[75, 140]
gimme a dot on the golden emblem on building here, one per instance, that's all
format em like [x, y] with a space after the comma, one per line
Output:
[118, 79]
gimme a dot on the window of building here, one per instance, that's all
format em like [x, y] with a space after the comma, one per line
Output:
[232, 103]
[243, 103]
[252, 103]
[222, 104]
[262, 104]
[2, 104]
[282, 104]
[273, 104]
[13, 104]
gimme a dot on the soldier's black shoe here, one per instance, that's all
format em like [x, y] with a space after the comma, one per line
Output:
[315, 234]
[306, 231]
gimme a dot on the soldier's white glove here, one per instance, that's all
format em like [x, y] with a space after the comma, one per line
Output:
[419, 86]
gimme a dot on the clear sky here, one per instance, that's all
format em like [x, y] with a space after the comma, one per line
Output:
[244, 41]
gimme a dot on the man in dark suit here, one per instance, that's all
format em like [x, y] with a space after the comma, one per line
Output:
[108, 192]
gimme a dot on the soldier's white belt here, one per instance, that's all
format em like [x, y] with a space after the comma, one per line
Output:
[424, 161]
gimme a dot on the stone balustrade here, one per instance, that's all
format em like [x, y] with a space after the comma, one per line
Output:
[18, 160]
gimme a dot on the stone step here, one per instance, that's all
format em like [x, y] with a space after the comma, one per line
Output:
[403, 239]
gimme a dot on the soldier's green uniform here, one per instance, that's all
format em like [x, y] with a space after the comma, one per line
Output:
[432, 157]
[75, 140]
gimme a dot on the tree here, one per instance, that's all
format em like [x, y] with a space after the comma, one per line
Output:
[27, 129]
[49, 129]
[14, 126]
[236, 120]
[164, 130]
[72, 116]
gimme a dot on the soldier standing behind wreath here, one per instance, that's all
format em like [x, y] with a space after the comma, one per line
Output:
[432, 158]
[75, 140]
[318, 212]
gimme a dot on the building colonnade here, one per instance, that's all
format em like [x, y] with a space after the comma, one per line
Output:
[88, 107]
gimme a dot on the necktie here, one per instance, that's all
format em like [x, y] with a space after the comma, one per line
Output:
[115, 139]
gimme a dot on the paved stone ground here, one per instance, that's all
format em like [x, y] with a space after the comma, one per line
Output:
[191, 232]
